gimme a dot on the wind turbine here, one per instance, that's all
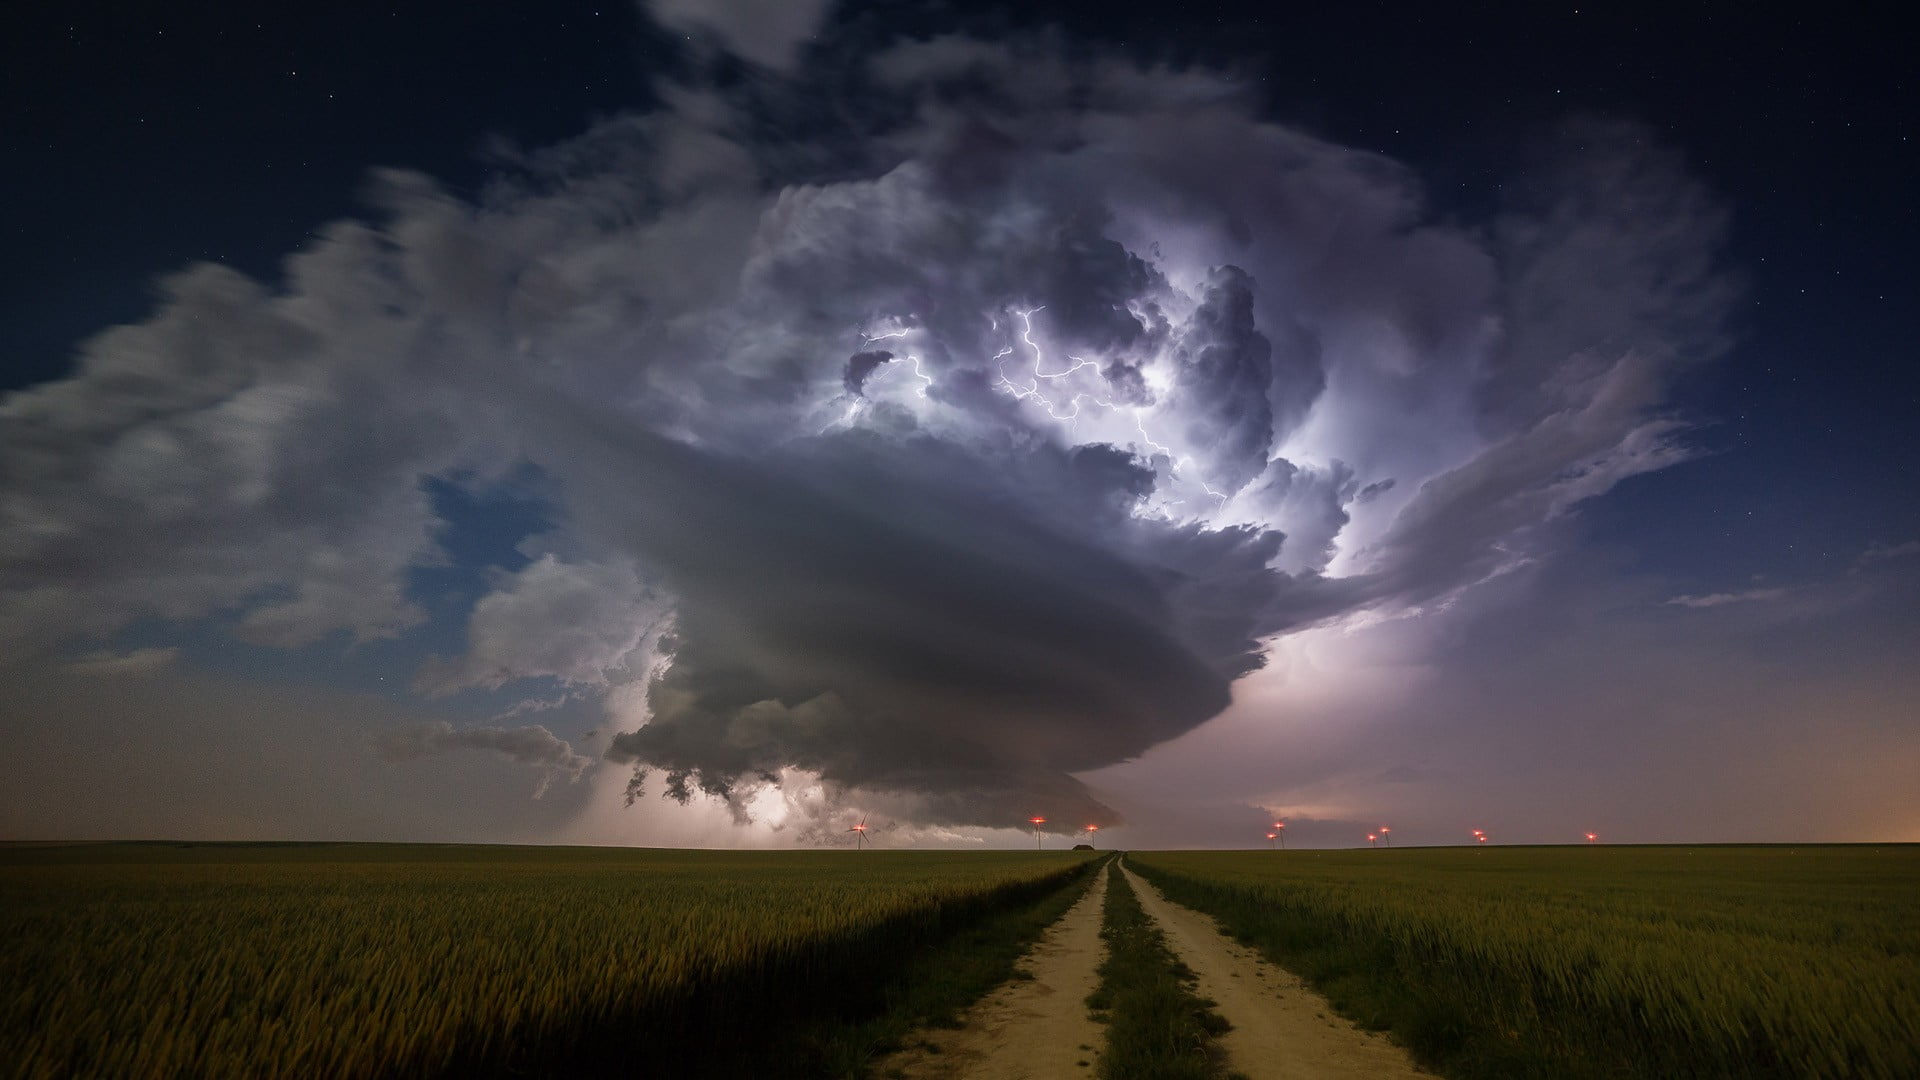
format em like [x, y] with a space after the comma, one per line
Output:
[1270, 837]
[859, 833]
[1373, 839]
[1387, 835]
[1037, 822]
[1280, 830]
[1091, 829]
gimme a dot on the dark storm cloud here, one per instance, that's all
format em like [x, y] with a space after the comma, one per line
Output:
[889, 455]
[907, 616]
[1373, 491]
[1225, 368]
[861, 365]
[1125, 384]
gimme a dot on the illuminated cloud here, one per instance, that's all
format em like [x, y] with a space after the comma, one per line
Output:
[573, 622]
[767, 32]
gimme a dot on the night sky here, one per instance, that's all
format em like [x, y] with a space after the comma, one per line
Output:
[714, 422]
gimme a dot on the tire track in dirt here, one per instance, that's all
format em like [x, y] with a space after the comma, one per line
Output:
[1033, 1028]
[1281, 1027]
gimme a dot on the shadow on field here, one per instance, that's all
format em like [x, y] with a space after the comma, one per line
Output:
[818, 1009]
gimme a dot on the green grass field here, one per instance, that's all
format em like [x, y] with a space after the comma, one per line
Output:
[361, 960]
[1594, 962]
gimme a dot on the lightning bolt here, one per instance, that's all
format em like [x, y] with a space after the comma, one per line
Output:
[1032, 390]
[858, 405]
[924, 378]
[1066, 411]
[846, 419]
[1026, 335]
[1177, 461]
[1151, 445]
[914, 359]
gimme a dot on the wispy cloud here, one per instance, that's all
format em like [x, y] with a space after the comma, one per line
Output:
[136, 662]
[770, 33]
[1707, 600]
[529, 745]
[1879, 553]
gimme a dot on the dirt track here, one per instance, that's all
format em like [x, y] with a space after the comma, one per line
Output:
[1027, 1029]
[1039, 1029]
[1281, 1028]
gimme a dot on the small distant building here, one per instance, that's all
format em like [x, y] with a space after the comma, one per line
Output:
[1083, 847]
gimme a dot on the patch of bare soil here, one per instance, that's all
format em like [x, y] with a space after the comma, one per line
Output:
[1033, 1028]
[1281, 1028]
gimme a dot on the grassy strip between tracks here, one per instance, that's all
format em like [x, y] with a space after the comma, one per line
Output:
[1157, 1029]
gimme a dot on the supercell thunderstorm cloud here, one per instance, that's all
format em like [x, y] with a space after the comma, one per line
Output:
[930, 457]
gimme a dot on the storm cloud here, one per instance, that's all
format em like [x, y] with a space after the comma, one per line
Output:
[899, 615]
[979, 444]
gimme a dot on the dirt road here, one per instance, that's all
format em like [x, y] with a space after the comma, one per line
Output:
[1281, 1028]
[1027, 1029]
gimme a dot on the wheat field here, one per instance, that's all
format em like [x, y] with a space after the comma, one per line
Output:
[363, 960]
[1596, 961]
